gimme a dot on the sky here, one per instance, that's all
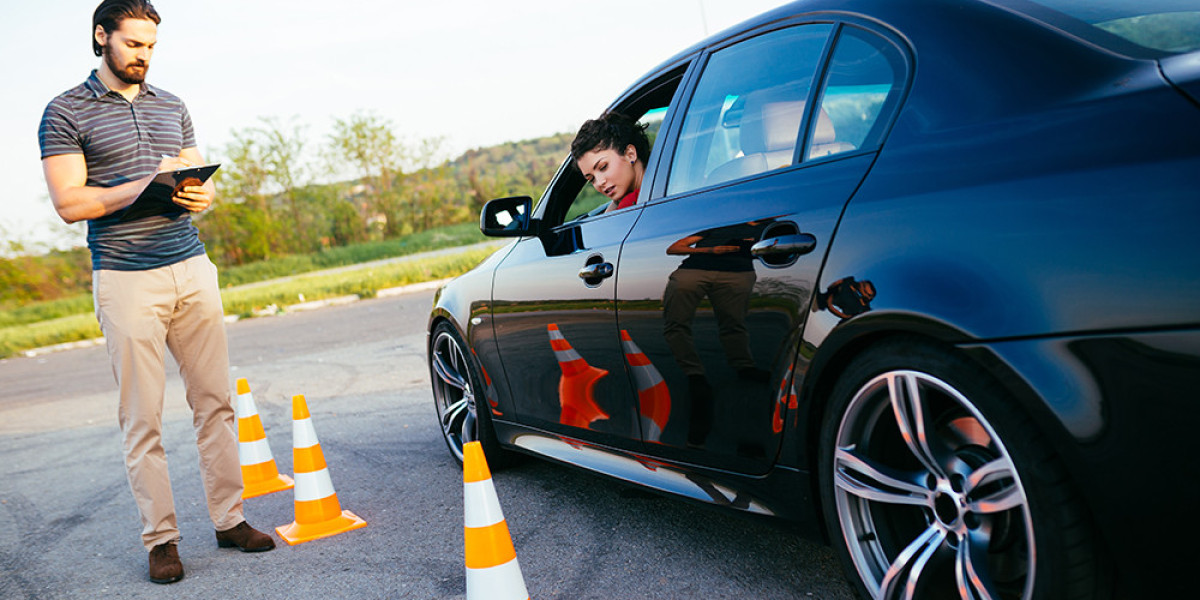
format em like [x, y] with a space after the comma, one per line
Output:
[474, 72]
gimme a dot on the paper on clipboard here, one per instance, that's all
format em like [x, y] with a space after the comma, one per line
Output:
[156, 198]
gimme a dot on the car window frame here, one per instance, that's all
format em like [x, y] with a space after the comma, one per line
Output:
[888, 111]
[838, 21]
[682, 69]
[752, 34]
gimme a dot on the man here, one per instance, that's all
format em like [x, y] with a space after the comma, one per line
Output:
[154, 286]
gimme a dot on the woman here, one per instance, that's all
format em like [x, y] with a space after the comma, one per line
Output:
[611, 154]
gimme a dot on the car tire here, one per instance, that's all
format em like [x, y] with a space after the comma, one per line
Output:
[934, 484]
[458, 396]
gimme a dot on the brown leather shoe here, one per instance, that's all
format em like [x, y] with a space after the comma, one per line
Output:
[245, 538]
[165, 566]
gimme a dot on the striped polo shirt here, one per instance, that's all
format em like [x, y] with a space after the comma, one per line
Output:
[122, 141]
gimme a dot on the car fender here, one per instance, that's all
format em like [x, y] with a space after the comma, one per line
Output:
[465, 303]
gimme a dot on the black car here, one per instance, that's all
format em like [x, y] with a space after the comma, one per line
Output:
[965, 342]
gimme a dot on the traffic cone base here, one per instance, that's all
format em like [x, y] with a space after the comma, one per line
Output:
[265, 479]
[298, 533]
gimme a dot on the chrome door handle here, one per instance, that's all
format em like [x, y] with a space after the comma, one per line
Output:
[796, 243]
[596, 271]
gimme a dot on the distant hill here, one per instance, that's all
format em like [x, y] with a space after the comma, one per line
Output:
[512, 169]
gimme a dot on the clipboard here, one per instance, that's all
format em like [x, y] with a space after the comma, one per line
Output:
[156, 198]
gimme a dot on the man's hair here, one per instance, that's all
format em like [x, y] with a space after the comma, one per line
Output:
[611, 130]
[110, 13]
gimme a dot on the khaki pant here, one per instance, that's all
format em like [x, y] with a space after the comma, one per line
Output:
[729, 293]
[176, 307]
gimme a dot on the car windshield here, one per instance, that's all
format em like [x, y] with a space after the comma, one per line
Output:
[1161, 26]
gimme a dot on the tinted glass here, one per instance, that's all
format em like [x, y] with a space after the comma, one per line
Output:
[1164, 25]
[745, 115]
[864, 73]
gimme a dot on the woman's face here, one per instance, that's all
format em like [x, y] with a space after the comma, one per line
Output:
[611, 173]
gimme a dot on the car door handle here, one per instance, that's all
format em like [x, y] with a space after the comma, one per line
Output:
[796, 243]
[599, 270]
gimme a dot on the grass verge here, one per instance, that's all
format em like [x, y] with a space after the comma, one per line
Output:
[451, 236]
[249, 302]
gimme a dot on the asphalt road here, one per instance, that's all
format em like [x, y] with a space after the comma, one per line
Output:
[68, 527]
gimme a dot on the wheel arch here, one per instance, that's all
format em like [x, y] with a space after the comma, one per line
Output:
[838, 351]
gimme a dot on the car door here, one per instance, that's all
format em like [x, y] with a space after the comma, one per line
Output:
[554, 298]
[717, 275]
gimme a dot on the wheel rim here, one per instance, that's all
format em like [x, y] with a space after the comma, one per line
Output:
[929, 501]
[452, 392]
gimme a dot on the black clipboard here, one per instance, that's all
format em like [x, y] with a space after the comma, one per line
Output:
[156, 198]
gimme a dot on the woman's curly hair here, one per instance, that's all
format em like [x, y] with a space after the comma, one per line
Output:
[611, 130]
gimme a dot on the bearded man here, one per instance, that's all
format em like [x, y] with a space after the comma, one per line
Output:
[102, 143]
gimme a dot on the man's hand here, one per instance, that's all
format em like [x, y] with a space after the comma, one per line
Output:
[194, 198]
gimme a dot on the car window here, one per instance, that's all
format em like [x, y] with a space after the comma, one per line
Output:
[1157, 26]
[745, 114]
[864, 73]
[590, 202]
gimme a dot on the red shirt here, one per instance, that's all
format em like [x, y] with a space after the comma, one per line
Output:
[629, 200]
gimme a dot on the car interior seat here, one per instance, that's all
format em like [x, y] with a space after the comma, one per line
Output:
[769, 128]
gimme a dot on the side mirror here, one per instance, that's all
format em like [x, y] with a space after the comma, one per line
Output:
[508, 217]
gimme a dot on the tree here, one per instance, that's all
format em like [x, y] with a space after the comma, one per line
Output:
[259, 213]
[367, 142]
[284, 148]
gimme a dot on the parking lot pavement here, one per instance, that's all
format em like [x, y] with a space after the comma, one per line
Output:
[68, 528]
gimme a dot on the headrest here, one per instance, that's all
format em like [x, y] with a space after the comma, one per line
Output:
[824, 133]
[771, 121]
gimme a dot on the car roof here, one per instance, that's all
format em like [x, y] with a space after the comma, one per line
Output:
[915, 14]
[871, 9]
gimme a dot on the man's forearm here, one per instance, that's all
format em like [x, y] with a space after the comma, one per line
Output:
[83, 203]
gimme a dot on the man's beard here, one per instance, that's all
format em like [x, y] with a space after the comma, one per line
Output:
[128, 74]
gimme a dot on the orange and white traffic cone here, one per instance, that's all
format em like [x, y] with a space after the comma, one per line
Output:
[577, 384]
[654, 399]
[260, 476]
[318, 513]
[492, 569]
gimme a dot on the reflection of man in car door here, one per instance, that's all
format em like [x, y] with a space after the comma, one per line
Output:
[718, 266]
[611, 153]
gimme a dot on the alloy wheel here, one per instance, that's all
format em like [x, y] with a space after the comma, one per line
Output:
[453, 392]
[929, 500]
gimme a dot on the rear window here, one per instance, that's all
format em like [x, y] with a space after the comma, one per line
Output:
[1157, 27]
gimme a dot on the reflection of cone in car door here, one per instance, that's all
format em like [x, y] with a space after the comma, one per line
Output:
[577, 384]
[489, 390]
[654, 399]
[785, 399]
